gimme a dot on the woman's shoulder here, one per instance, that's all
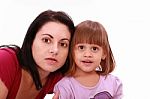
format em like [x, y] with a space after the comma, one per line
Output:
[8, 65]
[7, 55]
[6, 52]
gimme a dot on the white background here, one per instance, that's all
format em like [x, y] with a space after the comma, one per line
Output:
[126, 21]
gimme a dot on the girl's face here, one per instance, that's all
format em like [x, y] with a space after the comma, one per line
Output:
[50, 46]
[87, 57]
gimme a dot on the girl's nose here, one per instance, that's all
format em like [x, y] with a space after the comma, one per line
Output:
[87, 53]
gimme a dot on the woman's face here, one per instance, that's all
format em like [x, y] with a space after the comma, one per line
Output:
[50, 46]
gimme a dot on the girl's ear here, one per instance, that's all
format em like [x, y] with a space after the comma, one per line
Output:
[104, 54]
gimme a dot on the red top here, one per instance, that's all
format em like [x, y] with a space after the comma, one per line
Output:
[10, 74]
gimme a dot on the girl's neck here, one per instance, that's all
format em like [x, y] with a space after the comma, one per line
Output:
[87, 79]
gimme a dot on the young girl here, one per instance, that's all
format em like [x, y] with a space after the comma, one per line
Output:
[92, 62]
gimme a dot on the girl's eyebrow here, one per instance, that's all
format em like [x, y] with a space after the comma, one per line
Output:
[53, 37]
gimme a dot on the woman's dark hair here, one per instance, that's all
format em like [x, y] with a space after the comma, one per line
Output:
[25, 53]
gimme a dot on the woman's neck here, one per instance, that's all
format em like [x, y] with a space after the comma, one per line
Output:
[43, 75]
[28, 78]
[27, 88]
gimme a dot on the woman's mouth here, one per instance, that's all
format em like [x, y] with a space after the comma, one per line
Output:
[51, 61]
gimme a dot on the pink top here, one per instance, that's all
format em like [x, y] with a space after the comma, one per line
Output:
[109, 87]
[10, 74]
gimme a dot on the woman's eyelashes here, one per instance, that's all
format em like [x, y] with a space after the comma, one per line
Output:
[64, 44]
[46, 40]
[61, 43]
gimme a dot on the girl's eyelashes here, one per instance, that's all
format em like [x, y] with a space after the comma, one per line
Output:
[95, 49]
[80, 47]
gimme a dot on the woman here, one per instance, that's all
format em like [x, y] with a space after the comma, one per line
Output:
[30, 72]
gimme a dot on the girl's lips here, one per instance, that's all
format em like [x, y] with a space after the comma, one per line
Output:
[87, 62]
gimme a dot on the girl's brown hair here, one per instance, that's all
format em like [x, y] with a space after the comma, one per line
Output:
[93, 33]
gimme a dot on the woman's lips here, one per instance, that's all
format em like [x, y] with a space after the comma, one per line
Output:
[51, 61]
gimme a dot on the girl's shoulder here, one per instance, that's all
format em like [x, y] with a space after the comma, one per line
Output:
[112, 84]
[110, 77]
[65, 80]
[111, 80]
[64, 83]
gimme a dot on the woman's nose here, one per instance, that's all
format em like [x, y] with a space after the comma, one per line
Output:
[54, 49]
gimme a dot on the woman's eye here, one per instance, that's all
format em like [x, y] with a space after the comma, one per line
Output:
[64, 44]
[46, 40]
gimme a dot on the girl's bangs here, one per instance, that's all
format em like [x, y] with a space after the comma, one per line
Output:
[90, 37]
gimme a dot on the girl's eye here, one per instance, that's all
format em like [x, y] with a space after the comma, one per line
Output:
[81, 47]
[46, 40]
[95, 49]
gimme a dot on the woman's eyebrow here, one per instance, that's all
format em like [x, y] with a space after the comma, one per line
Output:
[48, 35]
[53, 37]
[65, 39]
